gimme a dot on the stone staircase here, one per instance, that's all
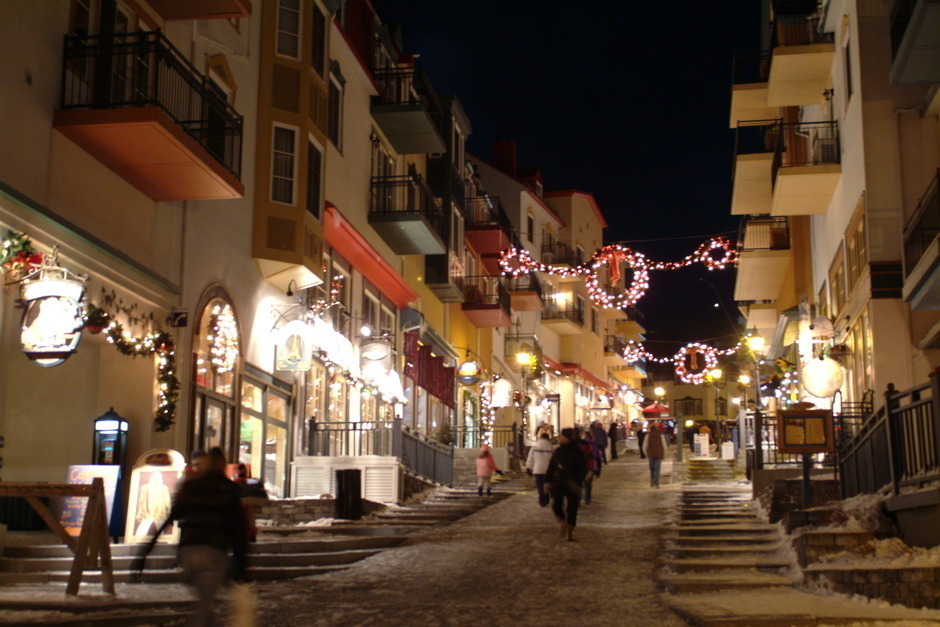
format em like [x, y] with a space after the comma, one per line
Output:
[710, 470]
[718, 543]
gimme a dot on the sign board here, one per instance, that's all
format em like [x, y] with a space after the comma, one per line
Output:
[73, 507]
[805, 431]
[154, 480]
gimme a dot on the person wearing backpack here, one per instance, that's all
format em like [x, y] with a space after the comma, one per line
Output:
[654, 447]
[565, 478]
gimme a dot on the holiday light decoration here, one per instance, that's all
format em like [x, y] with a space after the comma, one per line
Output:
[515, 262]
[487, 412]
[702, 359]
[158, 343]
[223, 338]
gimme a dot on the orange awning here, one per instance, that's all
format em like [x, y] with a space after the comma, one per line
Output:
[344, 237]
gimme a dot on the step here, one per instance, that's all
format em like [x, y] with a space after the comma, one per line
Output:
[768, 549]
[725, 529]
[719, 541]
[175, 576]
[60, 550]
[719, 520]
[687, 583]
[726, 562]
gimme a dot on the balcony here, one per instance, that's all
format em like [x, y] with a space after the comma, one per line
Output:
[407, 215]
[749, 89]
[614, 346]
[487, 229]
[806, 168]
[760, 315]
[403, 110]
[562, 318]
[764, 255]
[555, 253]
[802, 59]
[632, 374]
[922, 252]
[525, 292]
[754, 143]
[444, 275]
[915, 38]
[633, 326]
[137, 105]
[171, 10]
[486, 301]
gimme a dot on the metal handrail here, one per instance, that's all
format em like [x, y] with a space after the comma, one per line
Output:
[143, 69]
[406, 193]
[486, 290]
[528, 282]
[764, 233]
[805, 143]
[798, 30]
[750, 68]
[485, 211]
[552, 311]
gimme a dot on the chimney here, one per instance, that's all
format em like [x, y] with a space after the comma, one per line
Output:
[503, 154]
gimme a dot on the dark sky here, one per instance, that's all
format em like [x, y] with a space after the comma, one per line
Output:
[626, 100]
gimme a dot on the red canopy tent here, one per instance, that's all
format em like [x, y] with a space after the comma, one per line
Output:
[655, 408]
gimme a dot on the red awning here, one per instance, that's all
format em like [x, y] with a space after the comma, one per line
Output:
[344, 237]
[575, 369]
[655, 408]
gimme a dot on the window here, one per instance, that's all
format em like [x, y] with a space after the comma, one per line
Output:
[856, 247]
[822, 301]
[318, 35]
[689, 407]
[288, 28]
[334, 123]
[262, 435]
[370, 311]
[216, 362]
[456, 227]
[342, 288]
[314, 178]
[581, 255]
[837, 283]
[847, 59]
[457, 146]
[579, 310]
[80, 18]
[530, 227]
[595, 320]
[387, 320]
[283, 164]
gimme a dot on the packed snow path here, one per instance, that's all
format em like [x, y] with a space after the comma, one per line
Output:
[504, 565]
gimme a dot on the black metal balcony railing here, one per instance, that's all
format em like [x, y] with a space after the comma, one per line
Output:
[526, 283]
[143, 69]
[804, 143]
[923, 227]
[485, 211]
[797, 30]
[614, 344]
[763, 233]
[486, 290]
[560, 254]
[750, 68]
[406, 194]
[901, 16]
[405, 86]
[553, 311]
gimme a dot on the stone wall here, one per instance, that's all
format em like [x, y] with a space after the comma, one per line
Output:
[290, 512]
[914, 587]
[813, 545]
[787, 495]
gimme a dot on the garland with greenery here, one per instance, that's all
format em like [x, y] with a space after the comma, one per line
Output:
[18, 255]
[157, 342]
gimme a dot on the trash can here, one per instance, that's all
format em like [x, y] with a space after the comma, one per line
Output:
[348, 504]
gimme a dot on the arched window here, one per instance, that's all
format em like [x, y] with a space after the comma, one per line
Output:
[216, 353]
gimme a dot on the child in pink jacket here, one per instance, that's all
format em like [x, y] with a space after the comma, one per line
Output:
[486, 465]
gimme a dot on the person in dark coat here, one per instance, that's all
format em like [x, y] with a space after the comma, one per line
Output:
[565, 475]
[593, 455]
[208, 508]
[600, 438]
[613, 435]
[640, 436]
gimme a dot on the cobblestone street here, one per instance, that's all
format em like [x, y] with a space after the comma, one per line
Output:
[504, 565]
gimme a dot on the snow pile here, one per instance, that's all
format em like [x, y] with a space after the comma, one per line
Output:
[867, 510]
[887, 553]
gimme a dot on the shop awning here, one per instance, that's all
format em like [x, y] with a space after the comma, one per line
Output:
[575, 369]
[348, 242]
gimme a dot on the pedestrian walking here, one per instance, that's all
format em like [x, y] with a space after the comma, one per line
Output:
[565, 478]
[655, 447]
[208, 509]
[613, 435]
[640, 437]
[600, 438]
[537, 464]
[486, 466]
[593, 456]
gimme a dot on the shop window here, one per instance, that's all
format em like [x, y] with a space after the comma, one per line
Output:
[263, 418]
[215, 364]
[315, 404]
[288, 28]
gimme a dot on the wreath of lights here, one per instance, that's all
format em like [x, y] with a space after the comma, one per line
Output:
[635, 351]
[159, 343]
[515, 262]
[223, 338]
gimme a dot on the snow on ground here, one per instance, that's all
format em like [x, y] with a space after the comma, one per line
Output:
[878, 554]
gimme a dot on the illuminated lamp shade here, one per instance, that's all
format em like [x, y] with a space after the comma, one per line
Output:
[502, 394]
[469, 373]
[689, 423]
[822, 377]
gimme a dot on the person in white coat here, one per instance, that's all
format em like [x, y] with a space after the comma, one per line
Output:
[537, 463]
[654, 447]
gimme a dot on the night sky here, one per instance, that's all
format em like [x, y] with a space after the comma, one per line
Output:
[626, 100]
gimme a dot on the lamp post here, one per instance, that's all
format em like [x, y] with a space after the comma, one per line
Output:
[756, 344]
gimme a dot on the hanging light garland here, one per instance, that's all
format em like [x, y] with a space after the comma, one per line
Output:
[158, 343]
[487, 413]
[516, 261]
[702, 359]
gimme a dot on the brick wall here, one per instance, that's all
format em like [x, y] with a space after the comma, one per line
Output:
[811, 546]
[787, 496]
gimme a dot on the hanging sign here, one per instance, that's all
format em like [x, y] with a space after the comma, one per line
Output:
[52, 323]
[469, 373]
[293, 343]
